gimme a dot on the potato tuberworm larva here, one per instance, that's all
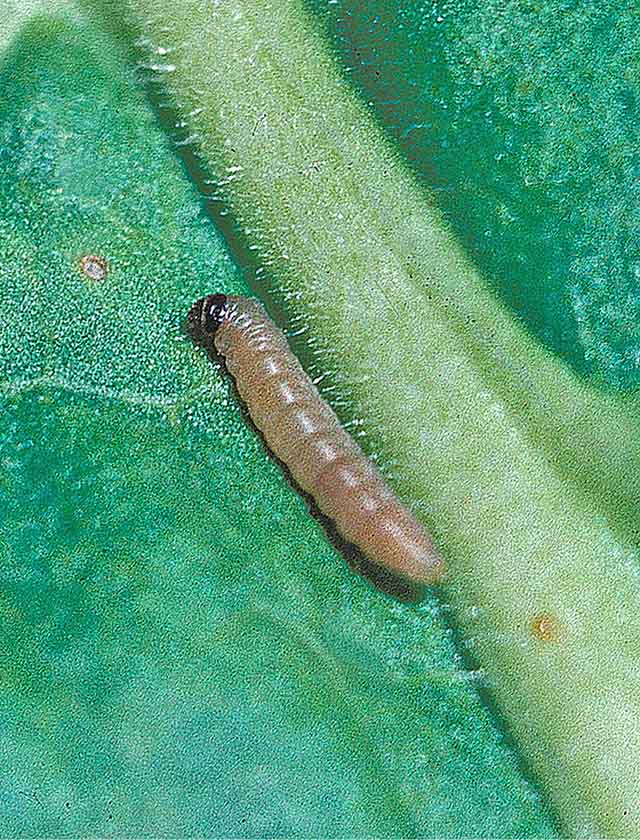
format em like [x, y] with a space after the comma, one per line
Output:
[302, 431]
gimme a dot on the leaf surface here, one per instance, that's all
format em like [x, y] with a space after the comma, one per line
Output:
[184, 652]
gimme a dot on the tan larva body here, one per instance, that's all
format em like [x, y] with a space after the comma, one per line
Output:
[302, 430]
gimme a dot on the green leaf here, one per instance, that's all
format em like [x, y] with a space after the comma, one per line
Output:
[183, 651]
[484, 431]
[523, 118]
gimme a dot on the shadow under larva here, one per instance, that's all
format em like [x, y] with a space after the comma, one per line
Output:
[363, 518]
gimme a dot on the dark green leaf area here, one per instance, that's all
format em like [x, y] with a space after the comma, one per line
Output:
[183, 652]
[523, 116]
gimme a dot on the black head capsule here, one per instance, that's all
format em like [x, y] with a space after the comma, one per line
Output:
[205, 316]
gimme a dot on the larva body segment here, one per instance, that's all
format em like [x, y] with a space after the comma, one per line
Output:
[301, 429]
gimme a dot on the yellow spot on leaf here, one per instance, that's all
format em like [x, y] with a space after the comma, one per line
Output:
[94, 267]
[544, 627]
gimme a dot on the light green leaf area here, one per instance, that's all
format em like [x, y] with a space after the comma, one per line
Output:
[183, 652]
[523, 118]
[526, 474]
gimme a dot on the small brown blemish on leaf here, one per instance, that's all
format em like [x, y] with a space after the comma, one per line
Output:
[544, 627]
[94, 267]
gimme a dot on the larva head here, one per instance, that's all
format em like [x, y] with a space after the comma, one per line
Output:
[205, 316]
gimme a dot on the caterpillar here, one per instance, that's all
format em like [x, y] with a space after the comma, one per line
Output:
[302, 430]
